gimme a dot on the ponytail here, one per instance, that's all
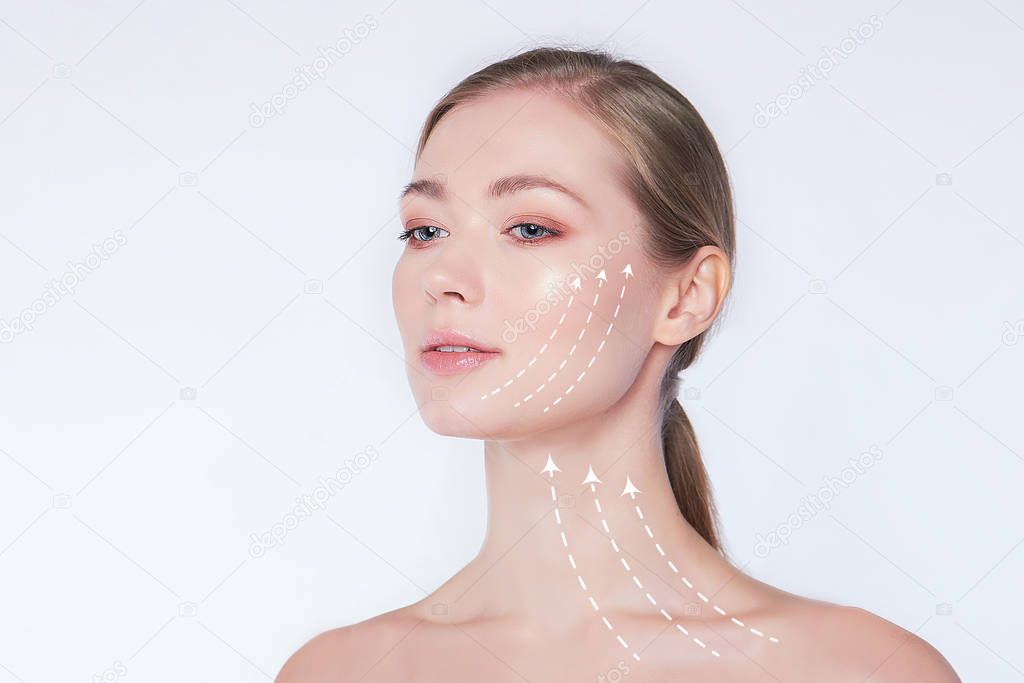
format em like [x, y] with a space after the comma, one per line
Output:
[686, 473]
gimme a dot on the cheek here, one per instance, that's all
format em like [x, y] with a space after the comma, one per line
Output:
[579, 345]
[401, 296]
[529, 307]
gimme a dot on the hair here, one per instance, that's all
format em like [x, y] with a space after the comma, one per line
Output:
[677, 178]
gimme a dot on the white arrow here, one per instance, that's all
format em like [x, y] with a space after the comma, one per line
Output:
[591, 478]
[579, 577]
[601, 278]
[689, 584]
[630, 489]
[550, 468]
[636, 581]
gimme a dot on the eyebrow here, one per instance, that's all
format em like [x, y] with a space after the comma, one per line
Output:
[433, 188]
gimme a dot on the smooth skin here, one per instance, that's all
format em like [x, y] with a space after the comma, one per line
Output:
[518, 611]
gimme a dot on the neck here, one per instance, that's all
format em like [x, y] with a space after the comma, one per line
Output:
[523, 569]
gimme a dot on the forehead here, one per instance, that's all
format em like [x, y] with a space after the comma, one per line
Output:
[522, 132]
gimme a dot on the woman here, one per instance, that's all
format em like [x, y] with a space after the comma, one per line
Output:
[569, 241]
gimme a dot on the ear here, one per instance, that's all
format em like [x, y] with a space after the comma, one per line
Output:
[692, 296]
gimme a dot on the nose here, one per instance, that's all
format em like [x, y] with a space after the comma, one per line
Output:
[453, 276]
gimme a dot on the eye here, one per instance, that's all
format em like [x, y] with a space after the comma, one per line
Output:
[423, 233]
[532, 232]
[524, 232]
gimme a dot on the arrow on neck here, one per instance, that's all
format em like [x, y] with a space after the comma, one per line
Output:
[550, 468]
[591, 478]
[630, 489]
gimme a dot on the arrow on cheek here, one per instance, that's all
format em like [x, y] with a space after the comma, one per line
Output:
[627, 273]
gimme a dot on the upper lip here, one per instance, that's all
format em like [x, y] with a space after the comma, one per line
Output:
[437, 338]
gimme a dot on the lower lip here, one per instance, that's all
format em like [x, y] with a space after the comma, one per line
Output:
[454, 363]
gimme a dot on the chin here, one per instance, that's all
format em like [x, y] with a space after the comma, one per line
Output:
[463, 417]
[444, 419]
[467, 418]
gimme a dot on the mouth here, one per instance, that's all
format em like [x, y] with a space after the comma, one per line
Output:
[446, 352]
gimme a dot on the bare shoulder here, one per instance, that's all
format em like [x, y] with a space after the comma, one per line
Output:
[348, 652]
[851, 643]
[885, 652]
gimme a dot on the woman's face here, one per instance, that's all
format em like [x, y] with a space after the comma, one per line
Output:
[552, 283]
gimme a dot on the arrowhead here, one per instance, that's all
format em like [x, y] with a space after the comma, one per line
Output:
[591, 477]
[630, 489]
[550, 468]
[602, 276]
[574, 282]
[628, 270]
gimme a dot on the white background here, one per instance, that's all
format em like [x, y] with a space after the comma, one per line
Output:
[876, 303]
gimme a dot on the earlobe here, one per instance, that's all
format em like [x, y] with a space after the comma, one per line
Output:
[693, 296]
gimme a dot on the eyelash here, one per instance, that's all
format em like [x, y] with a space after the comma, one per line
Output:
[406, 235]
